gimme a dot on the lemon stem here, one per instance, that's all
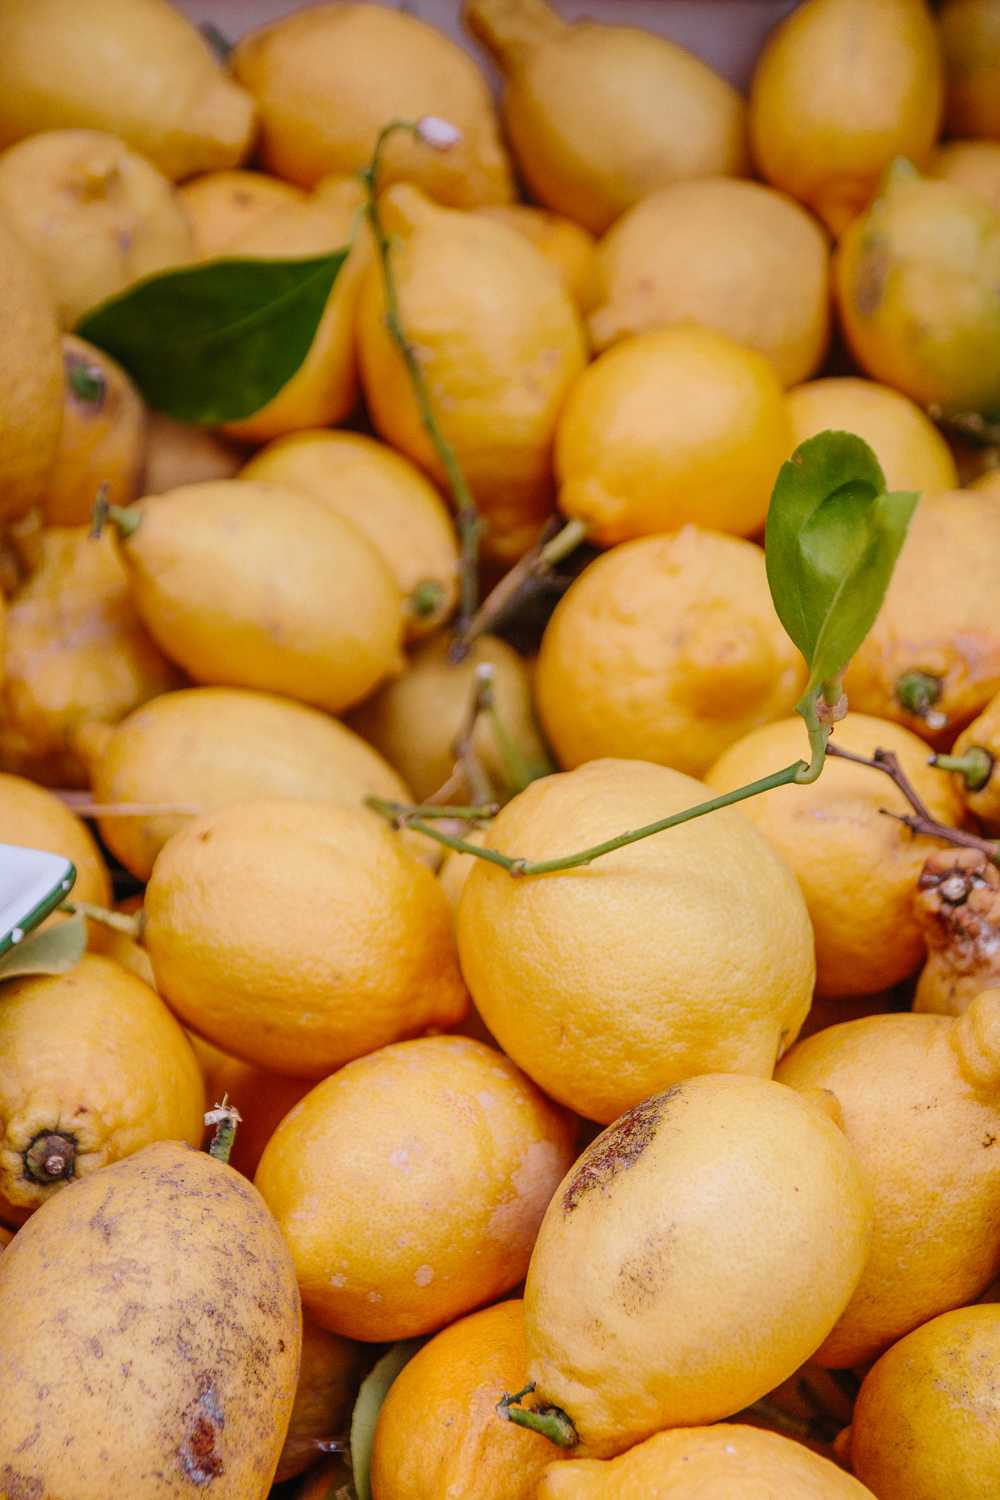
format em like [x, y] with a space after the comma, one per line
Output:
[126, 520]
[468, 518]
[225, 1117]
[133, 925]
[917, 692]
[552, 546]
[975, 766]
[551, 1421]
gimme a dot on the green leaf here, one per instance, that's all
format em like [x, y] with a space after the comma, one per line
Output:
[53, 951]
[367, 1407]
[833, 537]
[215, 342]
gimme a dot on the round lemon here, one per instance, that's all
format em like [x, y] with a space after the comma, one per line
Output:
[910, 449]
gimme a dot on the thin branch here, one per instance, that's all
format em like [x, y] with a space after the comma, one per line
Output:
[555, 542]
[921, 821]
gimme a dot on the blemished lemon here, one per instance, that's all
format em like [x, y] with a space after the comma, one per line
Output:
[247, 584]
[116, 1073]
[567, 246]
[665, 649]
[390, 502]
[970, 38]
[500, 344]
[714, 1234]
[329, 77]
[683, 953]
[208, 747]
[705, 1463]
[911, 451]
[840, 89]
[103, 437]
[858, 869]
[171, 101]
[675, 426]
[440, 1160]
[921, 1101]
[598, 115]
[973, 164]
[31, 379]
[220, 206]
[917, 282]
[438, 1428]
[734, 256]
[925, 1423]
[96, 215]
[298, 935]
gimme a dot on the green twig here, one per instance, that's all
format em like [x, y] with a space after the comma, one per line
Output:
[468, 518]
[396, 810]
[551, 1421]
[225, 1117]
[975, 766]
[552, 546]
[819, 727]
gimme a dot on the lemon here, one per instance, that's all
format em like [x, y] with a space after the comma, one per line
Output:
[103, 437]
[841, 88]
[177, 454]
[970, 37]
[973, 164]
[221, 205]
[330, 76]
[734, 256]
[567, 246]
[911, 451]
[601, 115]
[31, 379]
[675, 426]
[500, 344]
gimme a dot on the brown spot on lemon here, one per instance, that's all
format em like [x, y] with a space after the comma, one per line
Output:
[617, 1148]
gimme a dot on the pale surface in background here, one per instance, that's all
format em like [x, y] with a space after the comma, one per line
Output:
[727, 33]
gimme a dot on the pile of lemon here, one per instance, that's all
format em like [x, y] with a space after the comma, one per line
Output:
[672, 1175]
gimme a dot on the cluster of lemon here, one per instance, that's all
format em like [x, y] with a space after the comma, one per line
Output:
[639, 349]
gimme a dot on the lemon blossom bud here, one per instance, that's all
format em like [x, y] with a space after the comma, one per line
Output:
[440, 134]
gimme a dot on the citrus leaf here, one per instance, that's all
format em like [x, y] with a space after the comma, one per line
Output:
[53, 951]
[833, 536]
[214, 343]
[367, 1407]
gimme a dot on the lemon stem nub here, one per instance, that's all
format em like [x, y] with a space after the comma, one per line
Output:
[225, 1117]
[550, 1421]
[975, 766]
[917, 692]
[125, 519]
[50, 1157]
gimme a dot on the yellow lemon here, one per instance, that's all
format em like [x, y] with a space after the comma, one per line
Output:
[910, 449]
[983, 734]
[702, 1463]
[665, 649]
[920, 1097]
[208, 747]
[170, 99]
[917, 280]
[567, 246]
[298, 935]
[499, 342]
[714, 1235]
[973, 164]
[31, 379]
[970, 37]
[440, 1160]
[178, 454]
[683, 953]
[675, 426]
[601, 115]
[77, 651]
[390, 502]
[841, 88]
[733, 256]
[858, 869]
[330, 76]
[103, 438]
[33, 818]
[925, 1422]
[246, 584]
[222, 205]
[96, 215]
[438, 1430]
[116, 1073]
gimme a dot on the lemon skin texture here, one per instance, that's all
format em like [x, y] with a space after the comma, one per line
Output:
[910, 449]
[704, 1463]
[841, 88]
[255, 585]
[713, 1233]
[438, 1161]
[734, 256]
[298, 935]
[857, 868]
[925, 1422]
[116, 1073]
[500, 345]
[675, 426]
[665, 649]
[684, 952]
[439, 1430]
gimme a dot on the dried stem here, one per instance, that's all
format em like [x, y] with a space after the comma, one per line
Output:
[133, 925]
[80, 803]
[225, 1117]
[556, 542]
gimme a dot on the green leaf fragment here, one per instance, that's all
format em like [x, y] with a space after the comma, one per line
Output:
[367, 1407]
[54, 951]
[832, 540]
[216, 342]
